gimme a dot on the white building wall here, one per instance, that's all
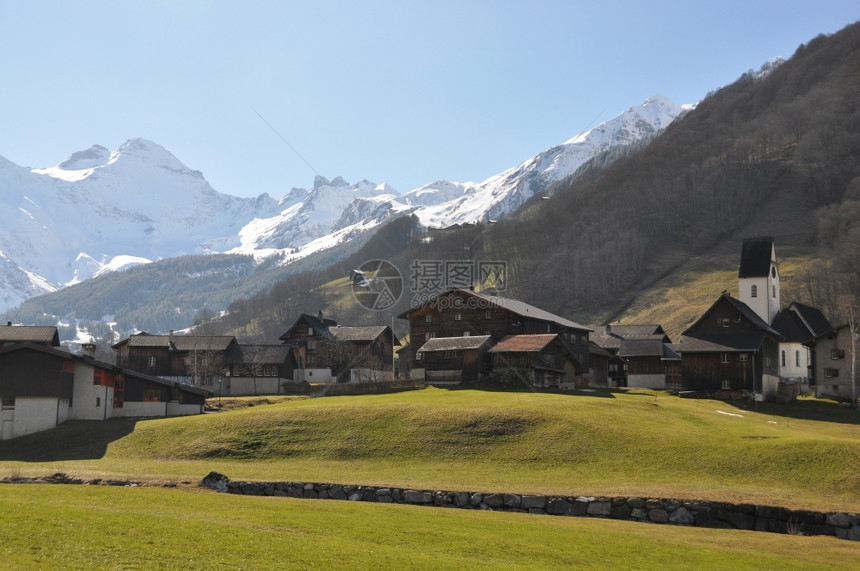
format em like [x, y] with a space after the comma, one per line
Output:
[90, 402]
[769, 387]
[792, 370]
[33, 414]
[313, 376]
[654, 381]
[141, 409]
[176, 409]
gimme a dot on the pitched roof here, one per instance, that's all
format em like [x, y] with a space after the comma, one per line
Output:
[812, 318]
[595, 349]
[313, 321]
[514, 306]
[29, 333]
[741, 308]
[524, 343]
[721, 342]
[357, 333]
[454, 343]
[263, 354]
[649, 347]
[755, 257]
[180, 342]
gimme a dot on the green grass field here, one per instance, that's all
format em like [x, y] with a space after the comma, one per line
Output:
[94, 527]
[802, 456]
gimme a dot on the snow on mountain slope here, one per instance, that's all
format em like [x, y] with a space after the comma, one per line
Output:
[501, 194]
[101, 210]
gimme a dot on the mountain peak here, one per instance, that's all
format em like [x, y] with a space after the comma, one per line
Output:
[95, 156]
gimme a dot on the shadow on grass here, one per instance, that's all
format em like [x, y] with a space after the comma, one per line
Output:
[587, 392]
[807, 409]
[72, 440]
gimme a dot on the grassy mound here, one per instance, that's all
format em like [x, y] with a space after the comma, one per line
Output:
[802, 455]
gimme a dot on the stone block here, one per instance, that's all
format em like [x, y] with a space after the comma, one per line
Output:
[838, 520]
[653, 504]
[853, 533]
[558, 506]
[638, 513]
[621, 511]
[414, 497]
[461, 500]
[636, 502]
[658, 515]
[511, 501]
[494, 500]
[682, 516]
[737, 520]
[533, 502]
[600, 508]
[476, 499]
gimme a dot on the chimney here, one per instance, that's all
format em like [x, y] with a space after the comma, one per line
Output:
[320, 315]
[88, 349]
[607, 328]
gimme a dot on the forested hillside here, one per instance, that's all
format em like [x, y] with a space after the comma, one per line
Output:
[773, 153]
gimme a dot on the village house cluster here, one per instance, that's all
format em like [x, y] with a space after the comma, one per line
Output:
[746, 346]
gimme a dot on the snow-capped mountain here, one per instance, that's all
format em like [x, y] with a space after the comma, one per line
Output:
[102, 210]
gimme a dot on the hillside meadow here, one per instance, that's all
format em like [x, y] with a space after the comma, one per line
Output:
[801, 456]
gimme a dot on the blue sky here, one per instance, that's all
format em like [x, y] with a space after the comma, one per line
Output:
[398, 92]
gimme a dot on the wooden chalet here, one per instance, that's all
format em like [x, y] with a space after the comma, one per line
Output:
[730, 348]
[540, 360]
[42, 387]
[464, 313]
[452, 360]
[198, 360]
[322, 349]
[258, 370]
[640, 345]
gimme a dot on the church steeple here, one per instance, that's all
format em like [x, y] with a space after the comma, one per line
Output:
[758, 277]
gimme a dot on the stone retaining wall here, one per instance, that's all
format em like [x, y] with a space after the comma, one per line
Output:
[678, 512]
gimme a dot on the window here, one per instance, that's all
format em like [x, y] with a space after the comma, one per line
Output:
[8, 403]
[151, 395]
[488, 315]
[837, 353]
[830, 373]
[724, 358]
[451, 354]
[754, 291]
[782, 359]
[727, 385]
[743, 357]
[458, 316]
[151, 362]
[429, 335]
[466, 333]
[773, 291]
[725, 321]
[428, 318]
[797, 358]
[310, 331]
[419, 356]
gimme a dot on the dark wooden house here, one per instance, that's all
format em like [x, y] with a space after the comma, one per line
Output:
[640, 336]
[198, 360]
[451, 360]
[305, 335]
[462, 312]
[730, 348]
[540, 360]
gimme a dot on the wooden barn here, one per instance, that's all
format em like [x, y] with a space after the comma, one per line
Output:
[451, 360]
[540, 360]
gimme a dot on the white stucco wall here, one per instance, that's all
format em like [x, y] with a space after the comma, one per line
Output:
[90, 402]
[769, 387]
[139, 409]
[176, 409]
[791, 371]
[654, 381]
[33, 414]
[313, 376]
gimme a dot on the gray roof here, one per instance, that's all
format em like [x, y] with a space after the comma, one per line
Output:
[454, 343]
[649, 347]
[29, 334]
[743, 309]
[180, 342]
[367, 333]
[525, 310]
[264, 354]
[721, 342]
